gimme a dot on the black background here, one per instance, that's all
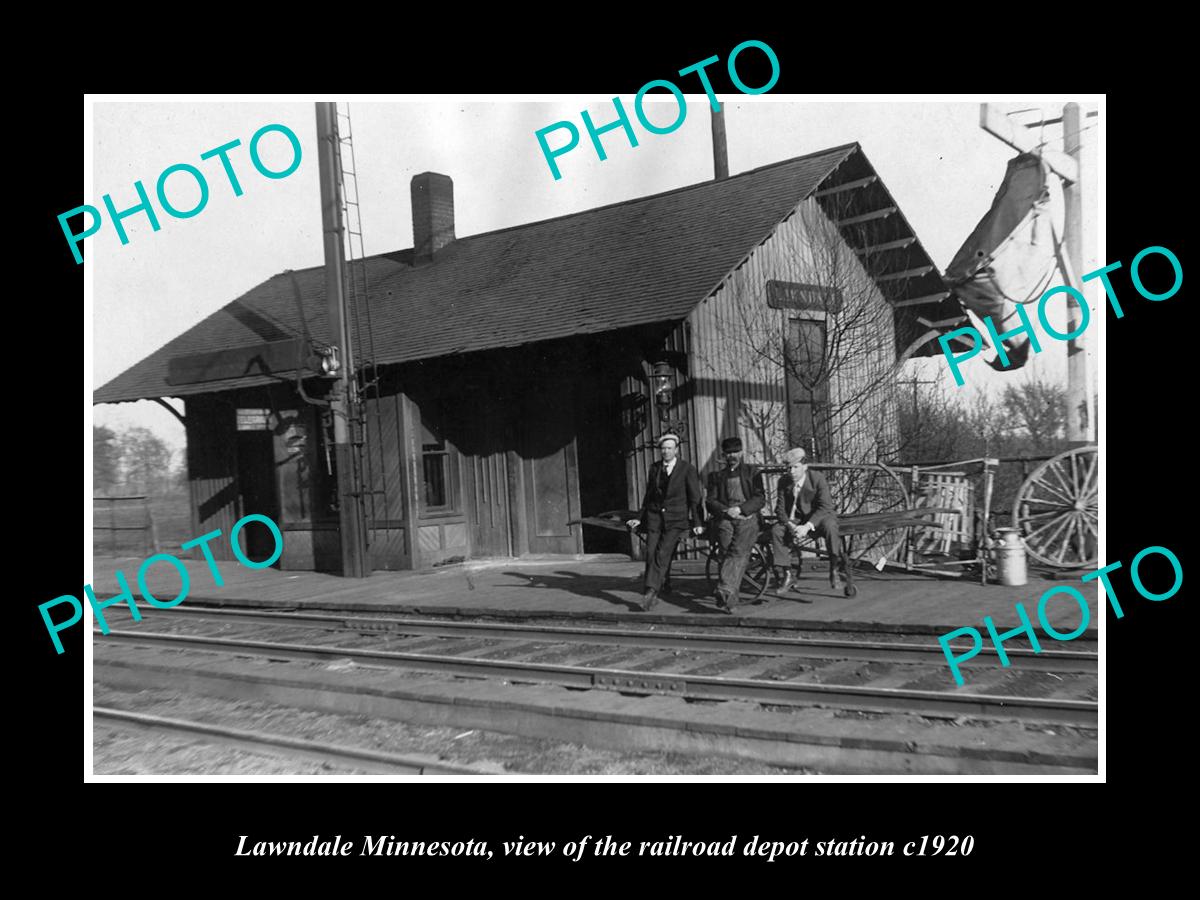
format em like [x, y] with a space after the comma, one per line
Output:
[1147, 413]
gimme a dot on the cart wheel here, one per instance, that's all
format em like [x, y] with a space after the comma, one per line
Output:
[757, 577]
[850, 591]
[1056, 510]
[755, 580]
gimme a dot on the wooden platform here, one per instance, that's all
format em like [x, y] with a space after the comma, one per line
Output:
[605, 587]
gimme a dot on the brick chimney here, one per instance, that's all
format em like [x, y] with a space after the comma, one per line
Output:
[433, 215]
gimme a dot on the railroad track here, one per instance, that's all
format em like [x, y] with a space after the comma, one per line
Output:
[281, 745]
[479, 648]
[1082, 661]
[751, 624]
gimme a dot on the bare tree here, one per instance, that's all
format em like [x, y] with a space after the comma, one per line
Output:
[1028, 420]
[145, 460]
[767, 422]
[106, 459]
[1040, 408]
[938, 426]
[830, 334]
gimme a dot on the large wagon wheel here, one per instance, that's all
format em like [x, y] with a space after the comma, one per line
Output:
[1056, 510]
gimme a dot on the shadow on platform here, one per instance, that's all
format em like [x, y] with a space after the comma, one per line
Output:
[605, 587]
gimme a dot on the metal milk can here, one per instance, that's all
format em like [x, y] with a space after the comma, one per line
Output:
[1009, 552]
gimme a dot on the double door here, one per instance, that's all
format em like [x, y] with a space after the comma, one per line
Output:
[524, 488]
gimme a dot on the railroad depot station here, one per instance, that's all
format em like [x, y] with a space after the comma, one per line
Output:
[519, 379]
[524, 375]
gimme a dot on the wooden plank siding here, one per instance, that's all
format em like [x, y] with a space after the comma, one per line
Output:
[736, 382]
[737, 346]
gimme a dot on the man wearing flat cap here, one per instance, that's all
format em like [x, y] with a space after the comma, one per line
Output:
[673, 500]
[735, 496]
[804, 507]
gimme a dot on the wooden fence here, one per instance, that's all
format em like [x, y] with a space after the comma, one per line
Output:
[114, 517]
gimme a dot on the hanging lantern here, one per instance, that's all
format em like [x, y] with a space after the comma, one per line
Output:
[663, 381]
[330, 364]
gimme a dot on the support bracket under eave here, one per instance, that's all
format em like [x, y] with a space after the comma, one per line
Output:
[172, 410]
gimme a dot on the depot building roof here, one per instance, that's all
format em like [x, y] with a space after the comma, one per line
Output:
[651, 259]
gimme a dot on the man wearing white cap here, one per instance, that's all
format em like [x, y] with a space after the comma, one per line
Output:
[673, 498]
[804, 506]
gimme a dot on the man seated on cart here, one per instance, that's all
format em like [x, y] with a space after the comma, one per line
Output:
[804, 506]
[734, 497]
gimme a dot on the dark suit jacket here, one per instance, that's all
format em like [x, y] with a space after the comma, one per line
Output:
[815, 499]
[669, 502]
[752, 488]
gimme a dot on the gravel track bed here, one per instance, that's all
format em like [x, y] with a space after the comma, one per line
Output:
[122, 752]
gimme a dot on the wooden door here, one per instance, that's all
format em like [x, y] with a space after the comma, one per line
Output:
[550, 470]
[489, 514]
[383, 480]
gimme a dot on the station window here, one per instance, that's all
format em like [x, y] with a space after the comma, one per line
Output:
[809, 424]
[437, 467]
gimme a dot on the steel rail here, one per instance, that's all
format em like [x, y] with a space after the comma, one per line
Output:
[746, 624]
[259, 742]
[710, 687]
[750, 645]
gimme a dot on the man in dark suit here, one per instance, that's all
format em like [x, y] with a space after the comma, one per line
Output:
[735, 496]
[673, 497]
[804, 506]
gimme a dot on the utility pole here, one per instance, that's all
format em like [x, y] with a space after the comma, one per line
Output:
[1067, 165]
[1080, 427]
[720, 151]
[916, 383]
[342, 397]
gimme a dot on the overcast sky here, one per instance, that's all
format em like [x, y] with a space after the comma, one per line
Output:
[939, 165]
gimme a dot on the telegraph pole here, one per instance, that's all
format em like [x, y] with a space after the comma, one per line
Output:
[720, 152]
[916, 383]
[1067, 165]
[1080, 427]
[342, 397]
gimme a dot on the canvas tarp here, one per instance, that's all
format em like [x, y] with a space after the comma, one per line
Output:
[1011, 256]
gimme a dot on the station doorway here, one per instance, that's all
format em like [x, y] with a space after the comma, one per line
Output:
[258, 488]
[601, 453]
